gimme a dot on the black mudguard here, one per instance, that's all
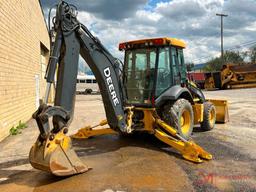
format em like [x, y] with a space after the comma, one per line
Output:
[172, 94]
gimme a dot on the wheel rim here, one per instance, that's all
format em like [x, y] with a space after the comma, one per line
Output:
[212, 117]
[185, 122]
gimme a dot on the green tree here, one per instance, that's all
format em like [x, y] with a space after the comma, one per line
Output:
[190, 66]
[252, 54]
[233, 57]
[215, 64]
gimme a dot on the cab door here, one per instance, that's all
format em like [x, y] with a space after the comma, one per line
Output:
[178, 67]
[176, 75]
[182, 67]
[164, 71]
[140, 75]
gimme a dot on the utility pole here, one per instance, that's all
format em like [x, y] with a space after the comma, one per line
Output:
[222, 50]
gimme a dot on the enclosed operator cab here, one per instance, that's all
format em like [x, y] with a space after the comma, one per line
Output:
[151, 67]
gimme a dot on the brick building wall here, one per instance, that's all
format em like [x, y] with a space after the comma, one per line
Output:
[24, 51]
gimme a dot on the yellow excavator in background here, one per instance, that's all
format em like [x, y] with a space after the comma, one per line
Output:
[232, 76]
[148, 93]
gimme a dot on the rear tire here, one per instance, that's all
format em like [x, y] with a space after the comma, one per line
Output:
[179, 115]
[209, 117]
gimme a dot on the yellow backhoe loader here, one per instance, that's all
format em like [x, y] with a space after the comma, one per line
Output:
[149, 93]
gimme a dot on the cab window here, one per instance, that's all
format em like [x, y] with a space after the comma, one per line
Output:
[182, 67]
[164, 71]
[175, 66]
[140, 74]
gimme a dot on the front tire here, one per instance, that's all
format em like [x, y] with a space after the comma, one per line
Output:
[179, 115]
[209, 117]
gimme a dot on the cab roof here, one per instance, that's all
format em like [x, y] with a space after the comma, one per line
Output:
[152, 42]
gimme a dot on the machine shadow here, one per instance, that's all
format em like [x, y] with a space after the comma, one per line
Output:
[83, 147]
[11, 173]
[197, 129]
[109, 143]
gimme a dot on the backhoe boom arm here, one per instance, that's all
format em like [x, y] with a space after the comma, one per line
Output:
[74, 39]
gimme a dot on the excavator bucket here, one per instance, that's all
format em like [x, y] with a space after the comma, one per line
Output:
[222, 115]
[55, 155]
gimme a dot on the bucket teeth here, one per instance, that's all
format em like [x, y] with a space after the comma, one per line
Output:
[56, 156]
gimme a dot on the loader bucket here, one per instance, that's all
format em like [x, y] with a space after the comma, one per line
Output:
[222, 115]
[55, 155]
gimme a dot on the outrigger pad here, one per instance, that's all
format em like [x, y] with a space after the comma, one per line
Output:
[195, 153]
[56, 156]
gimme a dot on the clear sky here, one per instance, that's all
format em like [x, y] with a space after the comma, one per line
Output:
[193, 21]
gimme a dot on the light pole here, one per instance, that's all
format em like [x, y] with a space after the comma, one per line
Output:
[222, 50]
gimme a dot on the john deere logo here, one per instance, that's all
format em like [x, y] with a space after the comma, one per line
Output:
[111, 87]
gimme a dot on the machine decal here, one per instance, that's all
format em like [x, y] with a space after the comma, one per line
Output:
[111, 87]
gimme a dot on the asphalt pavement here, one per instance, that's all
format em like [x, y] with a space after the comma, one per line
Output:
[141, 162]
